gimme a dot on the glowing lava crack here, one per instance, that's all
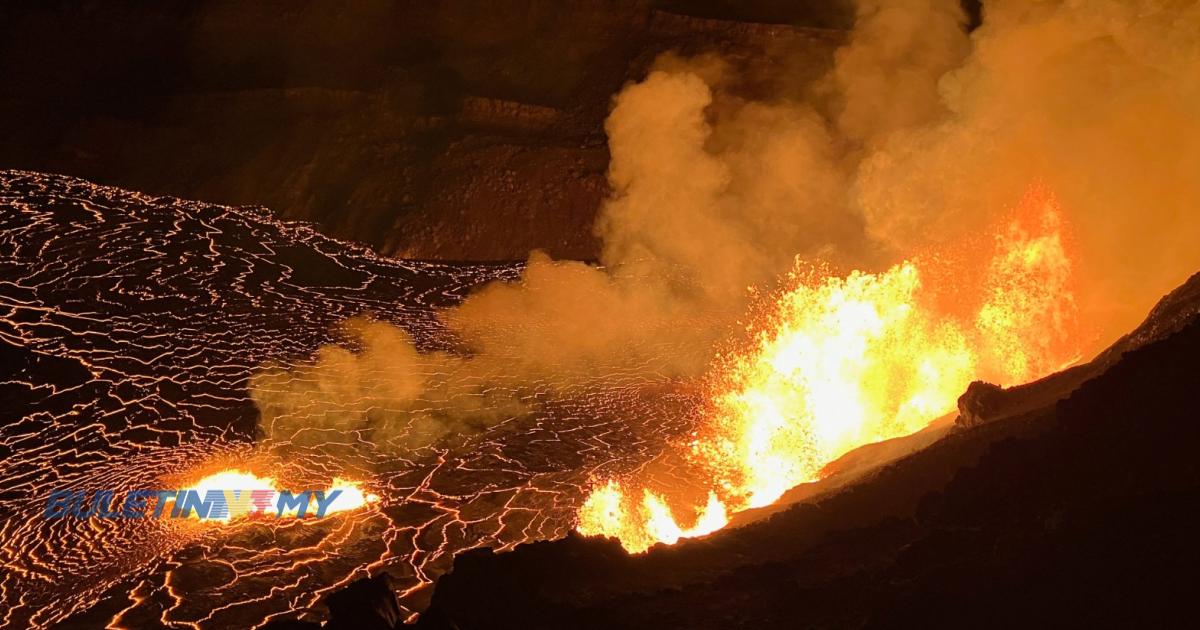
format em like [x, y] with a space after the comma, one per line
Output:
[131, 327]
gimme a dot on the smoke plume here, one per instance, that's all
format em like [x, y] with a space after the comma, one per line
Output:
[1098, 101]
[918, 135]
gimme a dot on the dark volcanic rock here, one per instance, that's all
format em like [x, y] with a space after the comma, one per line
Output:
[1176, 310]
[391, 123]
[1073, 512]
[978, 403]
[368, 604]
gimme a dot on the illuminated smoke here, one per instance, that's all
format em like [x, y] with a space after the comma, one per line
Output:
[1096, 100]
[919, 139]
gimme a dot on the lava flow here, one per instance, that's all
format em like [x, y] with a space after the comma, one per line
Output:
[144, 380]
[840, 362]
[251, 495]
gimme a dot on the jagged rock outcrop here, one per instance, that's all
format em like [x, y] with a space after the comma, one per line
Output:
[978, 403]
[366, 604]
[1176, 310]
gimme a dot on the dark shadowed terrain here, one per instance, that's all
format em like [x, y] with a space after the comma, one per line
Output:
[450, 130]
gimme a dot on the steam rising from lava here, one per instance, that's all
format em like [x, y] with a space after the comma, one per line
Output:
[1068, 127]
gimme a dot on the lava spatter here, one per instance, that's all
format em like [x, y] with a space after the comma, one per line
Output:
[839, 362]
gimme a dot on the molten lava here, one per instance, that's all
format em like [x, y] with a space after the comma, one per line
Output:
[251, 495]
[841, 362]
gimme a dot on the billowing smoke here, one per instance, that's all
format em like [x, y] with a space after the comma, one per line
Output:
[917, 135]
[1098, 101]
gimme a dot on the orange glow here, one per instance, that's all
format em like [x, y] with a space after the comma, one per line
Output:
[240, 486]
[351, 498]
[840, 362]
[648, 522]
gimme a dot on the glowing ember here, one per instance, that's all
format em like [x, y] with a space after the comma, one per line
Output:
[847, 361]
[247, 494]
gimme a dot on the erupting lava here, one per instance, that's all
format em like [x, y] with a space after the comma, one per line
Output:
[253, 495]
[846, 361]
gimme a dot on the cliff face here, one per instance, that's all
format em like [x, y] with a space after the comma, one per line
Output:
[1069, 507]
[455, 130]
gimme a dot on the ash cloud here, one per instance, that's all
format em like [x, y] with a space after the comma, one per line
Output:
[917, 135]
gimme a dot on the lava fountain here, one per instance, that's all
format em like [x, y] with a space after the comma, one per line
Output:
[838, 362]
